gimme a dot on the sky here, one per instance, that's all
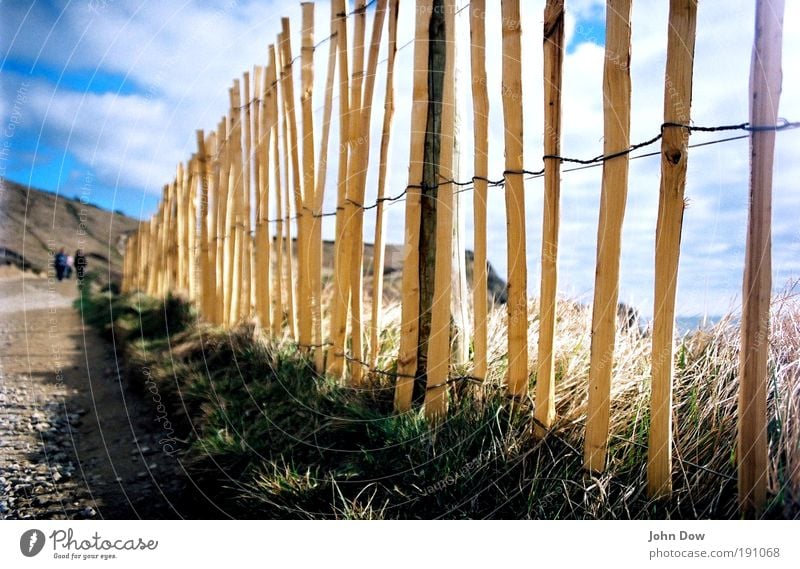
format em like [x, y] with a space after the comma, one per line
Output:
[101, 100]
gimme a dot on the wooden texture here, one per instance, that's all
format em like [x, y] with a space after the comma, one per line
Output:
[480, 120]
[245, 301]
[674, 155]
[263, 240]
[409, 325]
[765, 89]
[341, 285]
[204, 260]
[319, 195]
[237, 204]
[553, 37]
[223, 240]
[439, 340]
[379, 248]
[302, 306]
[288, 243]
[273, 122]
[517, 376]
[613, 194]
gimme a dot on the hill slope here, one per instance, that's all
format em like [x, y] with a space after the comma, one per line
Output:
[34, 224]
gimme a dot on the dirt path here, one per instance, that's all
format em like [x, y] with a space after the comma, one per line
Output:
[74, 441]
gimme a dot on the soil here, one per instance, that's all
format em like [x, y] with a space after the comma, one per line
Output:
[75, 442]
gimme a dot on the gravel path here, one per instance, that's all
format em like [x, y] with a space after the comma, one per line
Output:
[74, 441]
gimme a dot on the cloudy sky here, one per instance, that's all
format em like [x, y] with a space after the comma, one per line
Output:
[101, 98]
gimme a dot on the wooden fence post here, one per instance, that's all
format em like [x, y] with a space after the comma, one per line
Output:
[223, 230]
[302, 322]
[247, 170]
[263, 239]
[409, 326]
[553, 62]
[319, 194]
[765, 90]
[674, 155]
[273, 122]
[379, 246]
[341, 285]
[438, 356]
[517, 378]
[613, 194]
[480, 114]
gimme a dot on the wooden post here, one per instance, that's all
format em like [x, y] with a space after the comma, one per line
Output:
[274, 114]
[480, 114]
[341, 284]
[205, 270]
[379, 247]
[439, 340]
[236, 204]
[765, 90]
[303, 324]
[312, 254]
[247, 171]
[209, 281]
[409, 326]
[674, 155]
[553, 61]
[319, 194]
[356, 191]
[515, 201]
[616, 117]
[263, 239]
[223, 229]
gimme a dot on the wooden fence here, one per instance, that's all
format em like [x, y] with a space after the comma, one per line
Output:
[211, 237]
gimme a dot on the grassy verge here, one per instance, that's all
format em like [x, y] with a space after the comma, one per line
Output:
[266, 437]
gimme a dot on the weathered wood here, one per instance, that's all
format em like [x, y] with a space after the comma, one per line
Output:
[356, 191]
[674, 155]
[245, 301]
[517, 377]
[223, 260]
[312, 253]
[288, 254]
[553, 62]
[236, 203]
[613, 194]
[341, 283]
[765, 90]
[262, 237]
[480, 120]
[439, 341]
[274, 114]
[319, 195]
[409, 325]
[204, 268]
[302, 306]
[379, 247]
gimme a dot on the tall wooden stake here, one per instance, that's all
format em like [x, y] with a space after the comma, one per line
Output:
[674, 155]
[553, 62]
[765, 90]
[617, 119]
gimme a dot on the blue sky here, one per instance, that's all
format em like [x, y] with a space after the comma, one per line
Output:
[103, 97]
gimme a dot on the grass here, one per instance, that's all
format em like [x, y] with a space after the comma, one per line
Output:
[265, 437]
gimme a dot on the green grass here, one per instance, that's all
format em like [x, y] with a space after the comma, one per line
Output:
[267, 437]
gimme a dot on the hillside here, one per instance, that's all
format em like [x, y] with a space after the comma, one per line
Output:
[35, 223]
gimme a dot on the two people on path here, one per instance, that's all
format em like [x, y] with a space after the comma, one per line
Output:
[64, 264]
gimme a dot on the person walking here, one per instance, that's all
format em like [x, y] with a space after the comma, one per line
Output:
[60, 264]
[80, 265]
[70, 267]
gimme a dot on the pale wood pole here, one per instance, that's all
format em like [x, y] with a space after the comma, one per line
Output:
[379, 247]
[209, 278]
[262, 237]
[319, 194]
[409, 324]
[277, 280]
[230, 220]
[247, 168]
[204, 268]
[303, 324]
[613, 194]
[674, 155]
[765, 90]
[223, 229]
[171, 238]
[287, 218]
[194, 238]
[480, 114]
[517, 377]
[360, 164]
[156, 265]
[438, 355]
[312, 248]
[341, 285]
[553, 61]
[180, 224]
[235, 203]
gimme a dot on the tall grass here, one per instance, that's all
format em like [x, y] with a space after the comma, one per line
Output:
[267, 437]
